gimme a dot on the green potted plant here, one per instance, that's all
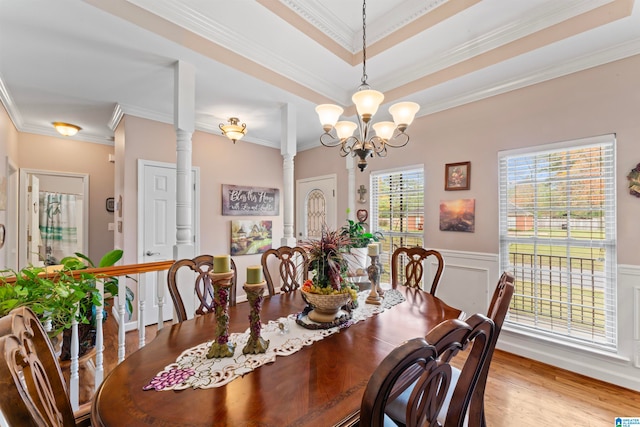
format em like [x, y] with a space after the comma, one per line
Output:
[359, 238]
[358, 235]
[60, 298]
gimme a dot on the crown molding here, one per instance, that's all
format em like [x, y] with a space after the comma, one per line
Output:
[261, 54]
[333, 27]
[604, 56]
[116, 116]
[10, 106]
[508, 33]
[200, 125]
[80, 136]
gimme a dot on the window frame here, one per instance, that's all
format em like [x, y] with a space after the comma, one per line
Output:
[389, 237]
[609, 342]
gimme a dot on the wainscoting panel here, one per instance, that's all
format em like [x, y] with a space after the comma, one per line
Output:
[469, 280]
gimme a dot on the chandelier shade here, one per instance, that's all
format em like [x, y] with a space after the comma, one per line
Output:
[329, 114]
[233, 130]
[365, 138]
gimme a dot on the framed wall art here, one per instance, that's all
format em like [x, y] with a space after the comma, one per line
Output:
[237, 200]
[457, 176]
[250, 237]
[458, 215]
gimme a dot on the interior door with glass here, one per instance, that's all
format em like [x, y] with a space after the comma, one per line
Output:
[316, 206]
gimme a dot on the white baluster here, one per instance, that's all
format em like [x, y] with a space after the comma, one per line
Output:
[99, 374]
[122, 300]
[160, 287]
[142, 299]
[74, 380]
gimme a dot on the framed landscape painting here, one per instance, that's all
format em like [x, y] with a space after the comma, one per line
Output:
[458, 215]
[250, 237]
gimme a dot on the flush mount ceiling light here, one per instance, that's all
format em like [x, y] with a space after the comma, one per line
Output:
[367, 102]
[66, 129]
[233, 130]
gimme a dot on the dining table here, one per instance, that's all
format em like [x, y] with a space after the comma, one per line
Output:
[322, 384]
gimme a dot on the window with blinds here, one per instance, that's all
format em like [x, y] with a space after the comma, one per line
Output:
[397, 210]
[558, 238]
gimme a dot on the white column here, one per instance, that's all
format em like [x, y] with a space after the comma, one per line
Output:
[184, 123]
[288, 151]
[351, 187]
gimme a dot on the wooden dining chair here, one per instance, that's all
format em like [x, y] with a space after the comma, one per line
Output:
[414, 267]
[292, 267]
[201, 266]
[474, 415]
[32, 389]
[420, 370]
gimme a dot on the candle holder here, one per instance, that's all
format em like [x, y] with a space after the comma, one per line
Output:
[256, 344]
[380, 271]
[221, 347]
[374, 278]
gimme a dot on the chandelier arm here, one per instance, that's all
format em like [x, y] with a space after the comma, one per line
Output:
[348, 146]
[329, 140]
[379, 145]
[401, 138]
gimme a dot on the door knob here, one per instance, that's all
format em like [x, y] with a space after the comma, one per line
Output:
[149, 253]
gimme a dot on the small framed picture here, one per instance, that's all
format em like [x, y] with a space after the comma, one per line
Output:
[457, 176]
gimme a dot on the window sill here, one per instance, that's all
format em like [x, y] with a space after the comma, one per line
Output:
[601, 353]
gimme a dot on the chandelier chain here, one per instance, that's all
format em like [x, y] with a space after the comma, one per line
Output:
[363, 80]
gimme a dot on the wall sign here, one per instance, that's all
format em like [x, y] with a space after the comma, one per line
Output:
[237, 200]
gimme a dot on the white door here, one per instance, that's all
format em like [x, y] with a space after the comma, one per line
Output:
[158, 225]
[316, 205]
[33, 224]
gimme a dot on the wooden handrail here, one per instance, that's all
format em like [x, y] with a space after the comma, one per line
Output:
[118, 270]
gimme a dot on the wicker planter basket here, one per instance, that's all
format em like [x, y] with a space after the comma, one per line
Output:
[325, 307]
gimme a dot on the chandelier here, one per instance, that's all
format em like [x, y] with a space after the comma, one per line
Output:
[233, 130]
[367, 101]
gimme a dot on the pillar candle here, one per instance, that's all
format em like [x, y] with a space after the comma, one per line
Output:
[221, 263]
[373, 249]
[254, 274]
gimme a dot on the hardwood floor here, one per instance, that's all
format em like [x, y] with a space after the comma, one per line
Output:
[523, 392]
[520, 392]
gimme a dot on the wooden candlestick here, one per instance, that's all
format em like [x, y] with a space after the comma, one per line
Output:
[374, 277]
[221, 347]
[256, 344]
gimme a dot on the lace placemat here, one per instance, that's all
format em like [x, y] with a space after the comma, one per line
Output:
[192, 369]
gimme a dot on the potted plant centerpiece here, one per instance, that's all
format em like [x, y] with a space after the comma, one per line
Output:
[328, 291]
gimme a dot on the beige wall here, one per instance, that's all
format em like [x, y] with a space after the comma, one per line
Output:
[599, 101]
[220, 162]
[9, 217]
[69, 155]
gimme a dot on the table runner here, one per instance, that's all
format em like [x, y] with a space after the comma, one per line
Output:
[193, 370]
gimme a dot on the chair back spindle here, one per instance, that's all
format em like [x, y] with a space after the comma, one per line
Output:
[420, 373]
[292, 268]
[201, 266]
[414, 269]
[32, 389]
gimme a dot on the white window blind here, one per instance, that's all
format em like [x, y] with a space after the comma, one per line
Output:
[558, 238]
[397, 210]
